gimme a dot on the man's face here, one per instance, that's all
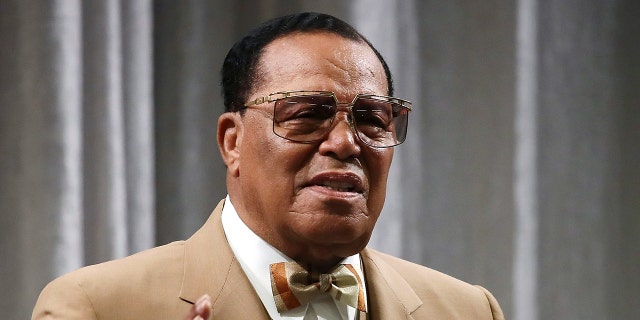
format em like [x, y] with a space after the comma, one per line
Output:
[316, 202]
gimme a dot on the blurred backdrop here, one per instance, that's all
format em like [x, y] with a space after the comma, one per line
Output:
[521, 172]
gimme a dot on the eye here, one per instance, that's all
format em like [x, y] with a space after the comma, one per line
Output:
[311, 111]
[307, 108]
[372, 113]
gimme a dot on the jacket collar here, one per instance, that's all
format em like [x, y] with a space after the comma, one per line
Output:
[390, 296]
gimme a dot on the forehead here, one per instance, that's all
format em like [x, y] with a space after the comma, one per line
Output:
[320, 61]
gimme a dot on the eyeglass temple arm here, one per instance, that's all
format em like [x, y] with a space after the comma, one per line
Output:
[270, 98]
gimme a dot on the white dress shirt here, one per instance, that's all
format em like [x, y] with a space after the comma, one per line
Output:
[255, 255]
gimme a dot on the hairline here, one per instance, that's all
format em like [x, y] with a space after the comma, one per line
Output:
[259, 77]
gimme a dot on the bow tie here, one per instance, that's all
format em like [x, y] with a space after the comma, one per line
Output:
[294, 286]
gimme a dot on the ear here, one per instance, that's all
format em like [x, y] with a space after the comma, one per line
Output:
[229, 140]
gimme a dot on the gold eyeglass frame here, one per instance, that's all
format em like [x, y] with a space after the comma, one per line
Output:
[273, 97]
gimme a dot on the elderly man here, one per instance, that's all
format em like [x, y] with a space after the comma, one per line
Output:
[307, 139]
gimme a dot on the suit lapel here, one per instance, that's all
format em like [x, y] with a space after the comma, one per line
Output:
[389, 295]
[210, 267]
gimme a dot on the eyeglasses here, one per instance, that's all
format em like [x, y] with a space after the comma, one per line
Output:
[307, 116]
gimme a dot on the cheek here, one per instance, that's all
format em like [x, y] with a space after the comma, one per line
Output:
[274, 164]
[378, 165]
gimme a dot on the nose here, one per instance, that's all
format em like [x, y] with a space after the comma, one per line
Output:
[341, 141]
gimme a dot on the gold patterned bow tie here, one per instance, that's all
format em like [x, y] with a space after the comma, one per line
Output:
[294, 286]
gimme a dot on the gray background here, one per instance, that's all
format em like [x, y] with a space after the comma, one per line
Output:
[521, 172]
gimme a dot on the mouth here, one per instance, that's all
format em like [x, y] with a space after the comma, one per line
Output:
[340, 182]
[338, 186]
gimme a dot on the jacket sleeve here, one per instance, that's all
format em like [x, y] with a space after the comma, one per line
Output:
[63, 298]
[493, 304]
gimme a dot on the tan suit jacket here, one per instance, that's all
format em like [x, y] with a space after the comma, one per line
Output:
[164, 282]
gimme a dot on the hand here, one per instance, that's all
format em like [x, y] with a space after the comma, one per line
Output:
[201, 309]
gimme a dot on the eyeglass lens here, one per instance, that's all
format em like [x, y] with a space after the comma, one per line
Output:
[379, 123]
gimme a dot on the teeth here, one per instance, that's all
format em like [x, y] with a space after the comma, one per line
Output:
[338, 186]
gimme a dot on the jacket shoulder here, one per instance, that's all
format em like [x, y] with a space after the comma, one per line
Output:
[163, 261]
[415, 273]
[93, 291]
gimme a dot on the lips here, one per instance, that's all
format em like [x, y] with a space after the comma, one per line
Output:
[338, 181]
[338, 186]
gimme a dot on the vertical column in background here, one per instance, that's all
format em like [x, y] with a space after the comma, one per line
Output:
[579, 151]
[137, 63]
[105, 198]
[525, 263]
[191, 39]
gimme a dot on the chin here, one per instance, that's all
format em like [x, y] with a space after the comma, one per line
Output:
[343, 236]
[345, 231]
[335, 224]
